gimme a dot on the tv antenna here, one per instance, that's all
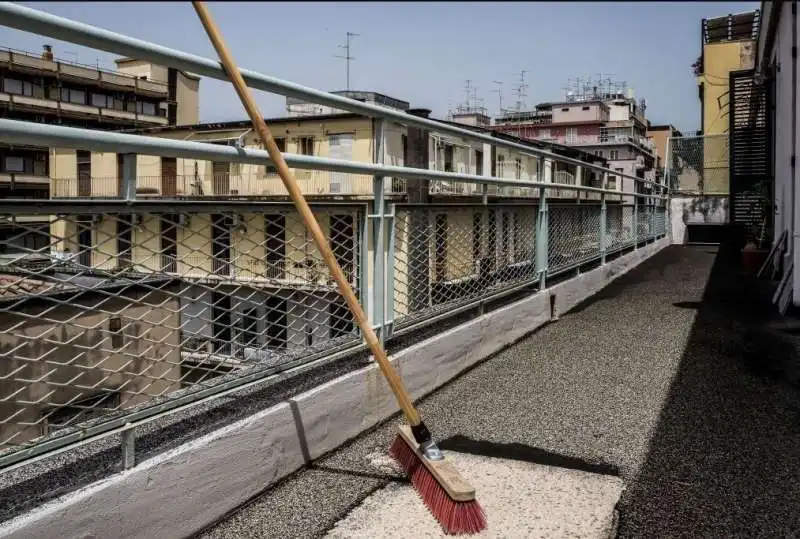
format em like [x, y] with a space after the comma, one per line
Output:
[499, 92]
[347, 56]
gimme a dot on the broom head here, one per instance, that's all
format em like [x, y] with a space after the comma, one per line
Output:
[450, 499]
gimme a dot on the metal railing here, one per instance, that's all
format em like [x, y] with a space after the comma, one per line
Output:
[128, 307]
[232, 185]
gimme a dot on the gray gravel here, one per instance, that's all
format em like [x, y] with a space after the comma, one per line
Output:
[638, 381]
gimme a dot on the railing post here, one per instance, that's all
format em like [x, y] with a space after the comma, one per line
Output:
[379, 235]
[390, 251]
[579, 182]
[603, 219]
[542, 227]
[129, 176]
[635, 215]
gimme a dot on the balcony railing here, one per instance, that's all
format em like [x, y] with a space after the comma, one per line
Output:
[24, 60]
[312, 183]
[53, 106]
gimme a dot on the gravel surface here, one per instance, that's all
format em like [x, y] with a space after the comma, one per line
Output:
[520, 499]
[646, 379]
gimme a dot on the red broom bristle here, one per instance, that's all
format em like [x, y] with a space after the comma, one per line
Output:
[457, 518]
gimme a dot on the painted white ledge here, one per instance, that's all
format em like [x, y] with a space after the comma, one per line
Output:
[183, 490]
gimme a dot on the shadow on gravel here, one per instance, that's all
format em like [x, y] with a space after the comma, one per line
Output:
[526, 453]
[724, 460]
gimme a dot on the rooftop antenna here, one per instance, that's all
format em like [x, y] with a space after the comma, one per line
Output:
[499, 92]
[521, 87]
[347, 56]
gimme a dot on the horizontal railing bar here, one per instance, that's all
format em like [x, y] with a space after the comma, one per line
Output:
[58, 136]
[15, 207]
[39, 22]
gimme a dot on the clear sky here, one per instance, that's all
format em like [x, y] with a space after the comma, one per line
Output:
[423, 52]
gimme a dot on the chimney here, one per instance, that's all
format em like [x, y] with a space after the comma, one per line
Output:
[48, 53]
[422, 113]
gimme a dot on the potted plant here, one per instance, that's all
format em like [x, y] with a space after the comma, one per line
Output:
[757, 240]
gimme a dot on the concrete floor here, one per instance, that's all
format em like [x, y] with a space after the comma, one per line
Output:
[647, 380]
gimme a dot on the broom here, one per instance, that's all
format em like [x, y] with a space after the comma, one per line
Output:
[449, 497]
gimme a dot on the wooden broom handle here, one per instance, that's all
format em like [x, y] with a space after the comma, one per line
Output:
[303, 208]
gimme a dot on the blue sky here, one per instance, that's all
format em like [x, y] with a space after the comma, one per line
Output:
[423, 52]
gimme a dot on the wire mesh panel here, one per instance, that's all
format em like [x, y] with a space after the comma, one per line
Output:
[102, 313]
[574, 235]
[450, 256]
[619, 231]
[699, 165]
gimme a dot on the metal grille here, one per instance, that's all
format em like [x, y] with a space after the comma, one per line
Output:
[751, 148]
[699, 165]
[106, 312]
[445, 257]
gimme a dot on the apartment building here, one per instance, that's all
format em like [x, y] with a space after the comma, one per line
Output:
[254, 278]
[44, 89]
[91, 344]
[660, 134]
[727, 45]
[602, 118]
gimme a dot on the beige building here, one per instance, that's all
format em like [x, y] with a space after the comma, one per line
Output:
[72, 350]
[260, 269]
[44, 89]
[660, 134]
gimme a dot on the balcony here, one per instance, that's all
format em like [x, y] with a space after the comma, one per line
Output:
[22, 61]
[227, 185]
[50, 106]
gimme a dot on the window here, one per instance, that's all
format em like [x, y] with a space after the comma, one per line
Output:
[404, 142]
[306, 145]
[614, 155]
[18, 87]
[448, 158]
[612, 182]
[566, 109]
[544, 133]
[572, 135]
[479, 162]
[586, 108]
[518, 168]
[598, 153]
[14, 164]
[69, 95]
[99, 100]
[117, 337]
[341, 321]
[501, 163]
[143, 107]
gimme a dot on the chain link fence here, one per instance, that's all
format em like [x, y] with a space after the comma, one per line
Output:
[103, 313]
[449, 257]
[699, 165]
